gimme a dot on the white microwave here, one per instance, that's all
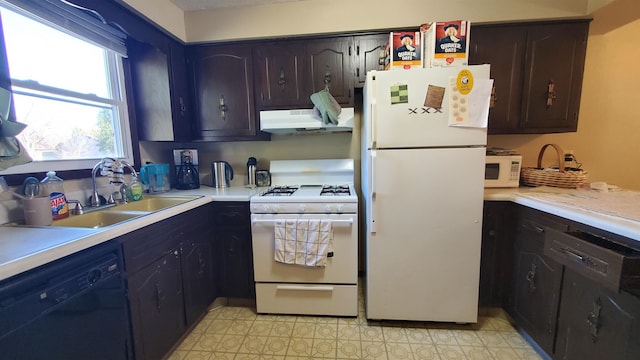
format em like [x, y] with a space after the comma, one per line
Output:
[502, 171]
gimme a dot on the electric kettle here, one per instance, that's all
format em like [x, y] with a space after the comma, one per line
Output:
[221, 173]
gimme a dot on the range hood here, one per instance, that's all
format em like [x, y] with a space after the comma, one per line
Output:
[303, 121]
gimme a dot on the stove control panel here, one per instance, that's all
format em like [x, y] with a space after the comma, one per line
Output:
[305, 208]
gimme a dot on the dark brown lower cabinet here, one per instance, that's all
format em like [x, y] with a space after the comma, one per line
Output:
[536, 280]
[595, 322]
[171, 281]
[497, 252]
[157, 306]
[234, 250]
[198, 274]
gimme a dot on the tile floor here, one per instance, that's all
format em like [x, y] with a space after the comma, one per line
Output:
[237, 332]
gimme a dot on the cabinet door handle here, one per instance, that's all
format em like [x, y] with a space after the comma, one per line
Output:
[531, 277]
[159, 296]
[223, 108]
[551, 94]
[327, 80]
[281, 79]
[593, 319]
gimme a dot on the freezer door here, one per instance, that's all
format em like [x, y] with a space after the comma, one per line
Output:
[423, 237]
[389, 122]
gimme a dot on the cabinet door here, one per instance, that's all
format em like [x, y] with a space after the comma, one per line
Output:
[536, 287]
[369, 55]
[504, 48]
[198, 276]
[233, 239]
[596, 323]
[223, 91]
[496, 253]
[280, 75]
[553, 78]
[157, 307]
[331, 67]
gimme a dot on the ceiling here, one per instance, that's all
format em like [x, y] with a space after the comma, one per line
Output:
[191, 5]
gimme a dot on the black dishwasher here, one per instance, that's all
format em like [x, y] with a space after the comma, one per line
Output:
[73, 308]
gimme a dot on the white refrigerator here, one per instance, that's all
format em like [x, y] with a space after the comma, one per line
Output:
[422, 188]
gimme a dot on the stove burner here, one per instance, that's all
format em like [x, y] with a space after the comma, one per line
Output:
[280, 191]
[335, 190]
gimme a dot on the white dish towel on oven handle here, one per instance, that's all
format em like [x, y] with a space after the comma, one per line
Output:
[303, 242]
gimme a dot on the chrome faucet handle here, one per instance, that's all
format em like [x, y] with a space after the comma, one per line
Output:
[110, 199]
[78, 209]
[123, 194]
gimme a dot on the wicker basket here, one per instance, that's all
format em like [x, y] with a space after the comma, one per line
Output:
[569, 179]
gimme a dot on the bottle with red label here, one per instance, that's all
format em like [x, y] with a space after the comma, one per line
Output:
[52, 185]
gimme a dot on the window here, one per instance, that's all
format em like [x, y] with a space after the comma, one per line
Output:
[70, 93]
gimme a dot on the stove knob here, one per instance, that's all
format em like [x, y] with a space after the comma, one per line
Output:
[301, 208]
[275, 208]
[340, 208]
[327, 209]
[265, 208]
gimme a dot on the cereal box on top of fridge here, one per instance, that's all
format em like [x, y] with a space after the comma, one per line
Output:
[446, 43]
[404, 50]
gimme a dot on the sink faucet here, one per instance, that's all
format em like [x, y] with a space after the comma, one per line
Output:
[124, 187]
[112, 165]
[95, 198]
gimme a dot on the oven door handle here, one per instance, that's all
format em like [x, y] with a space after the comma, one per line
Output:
[304, 288]
[255, 221]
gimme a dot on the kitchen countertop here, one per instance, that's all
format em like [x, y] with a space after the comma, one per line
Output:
[24, 247]
[617, 212]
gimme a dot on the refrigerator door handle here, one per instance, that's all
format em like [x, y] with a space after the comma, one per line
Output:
[372, 199]
[373, 128]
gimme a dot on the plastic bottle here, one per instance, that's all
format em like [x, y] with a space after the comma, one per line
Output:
[135, 189]
[52, 185]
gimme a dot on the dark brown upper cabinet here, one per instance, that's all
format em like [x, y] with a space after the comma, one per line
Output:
[280, 69]
[369, 55]
[537, 70]
[223, 92]
[330, 66]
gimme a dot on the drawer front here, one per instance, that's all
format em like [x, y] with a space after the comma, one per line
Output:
[307, 299]
[591, 256]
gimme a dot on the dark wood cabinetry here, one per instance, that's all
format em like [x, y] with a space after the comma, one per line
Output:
[169, 269]
[369, 55]
[536, 281]
[222, 80]
[160, 91]
[157, 306]
[330, 66]
[554, 296]
[233, 244]
[289, 71]
[496, 253]
[595, 322]
[537, 70]
[281, 79]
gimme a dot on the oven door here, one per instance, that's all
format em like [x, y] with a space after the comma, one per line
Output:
[341, 268]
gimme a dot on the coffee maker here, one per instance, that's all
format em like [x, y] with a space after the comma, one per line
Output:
[186, 162]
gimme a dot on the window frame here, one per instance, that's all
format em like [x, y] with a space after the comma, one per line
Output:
[79, 168]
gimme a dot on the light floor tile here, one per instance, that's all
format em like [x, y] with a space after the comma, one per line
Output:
[237, 332]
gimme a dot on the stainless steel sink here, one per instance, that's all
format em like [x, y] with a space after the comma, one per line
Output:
[121, 213]
[155, 203]
[99, 219]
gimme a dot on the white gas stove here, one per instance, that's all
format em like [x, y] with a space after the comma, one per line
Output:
[308, 187]
[307, 191]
